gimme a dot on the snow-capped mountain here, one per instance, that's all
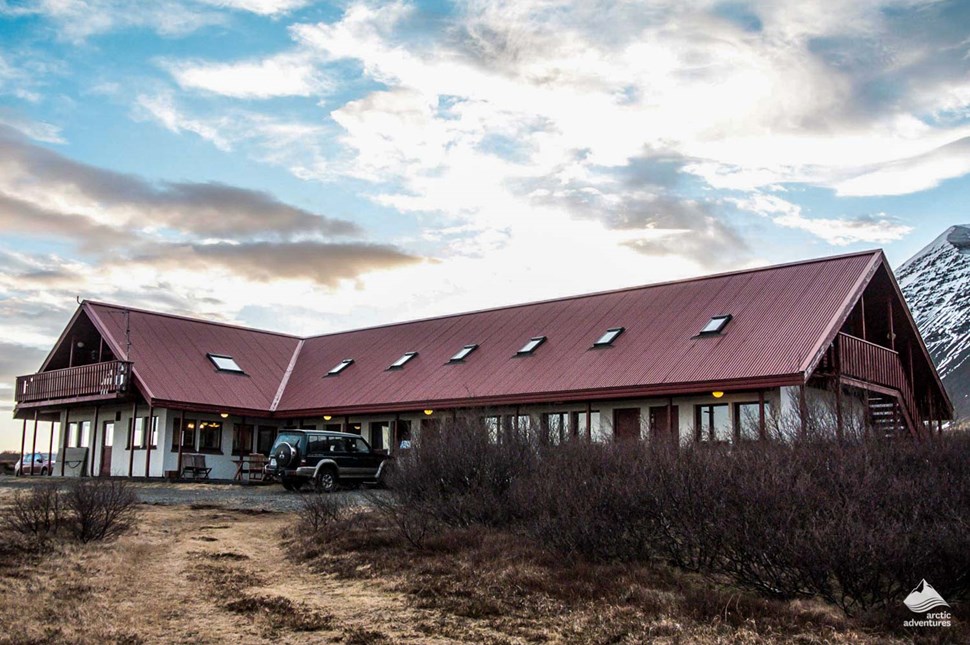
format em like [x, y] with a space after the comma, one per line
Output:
[936, 283]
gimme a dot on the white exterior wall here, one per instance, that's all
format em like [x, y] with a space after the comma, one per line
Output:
[783, 402]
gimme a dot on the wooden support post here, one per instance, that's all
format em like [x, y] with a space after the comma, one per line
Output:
[347, 423]
[148, 440]
[862, 303]
[802, 411]
[892, 327]
[939, 427]
[101, 349]
[50, 450]
[33, 451]
[762, 426]
[65, 431]
[589, 421]
[23, 446]
[673, 440]
[181, 440]
[70, 357]
[131, 438]
[94, 439]
[839, 421]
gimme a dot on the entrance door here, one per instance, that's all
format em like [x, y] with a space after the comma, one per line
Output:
[660, 429]
[107, 440]
[626, 424]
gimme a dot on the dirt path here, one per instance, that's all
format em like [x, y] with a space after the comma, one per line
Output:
[212, 576]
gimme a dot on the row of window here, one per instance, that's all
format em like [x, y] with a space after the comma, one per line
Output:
[714, 326]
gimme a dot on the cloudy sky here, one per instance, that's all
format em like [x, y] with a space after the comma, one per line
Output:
[310, 166]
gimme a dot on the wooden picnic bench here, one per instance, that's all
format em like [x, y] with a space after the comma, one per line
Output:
[250, 466]
[194, 464]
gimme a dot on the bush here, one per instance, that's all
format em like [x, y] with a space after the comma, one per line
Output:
[319, 514]
[858, 524]
[100, 509]
[36, 515]
[84, 510]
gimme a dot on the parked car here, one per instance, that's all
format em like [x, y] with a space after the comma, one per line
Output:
[327, 459]
[34, 464]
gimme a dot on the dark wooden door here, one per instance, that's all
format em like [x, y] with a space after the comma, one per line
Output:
[626, 424]
[661, 428]
[107, 439]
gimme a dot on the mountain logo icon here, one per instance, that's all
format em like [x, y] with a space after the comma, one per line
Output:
[924, 598]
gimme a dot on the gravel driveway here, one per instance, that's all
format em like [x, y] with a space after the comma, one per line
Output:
[261, 497]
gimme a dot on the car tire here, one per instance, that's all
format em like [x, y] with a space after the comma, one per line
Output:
[326, 480]
[43, 471]
[290, 484]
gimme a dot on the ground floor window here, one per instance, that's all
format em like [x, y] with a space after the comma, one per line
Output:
[242, 439]
[210, 436]
[403, 434]
[334, 427]
[84, 438]
[109, 434]
[747, 420]
[592, 430]
[380, 435]
[72, 439]
[713, 423]
[183, 429]
[265, 437]
[493, 425]
[555, 427]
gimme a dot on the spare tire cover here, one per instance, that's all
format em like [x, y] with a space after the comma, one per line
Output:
[285, 455]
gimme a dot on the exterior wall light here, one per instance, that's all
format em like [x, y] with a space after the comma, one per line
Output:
[717, 394]
[327, 417]
[224, 415]
[429, 412]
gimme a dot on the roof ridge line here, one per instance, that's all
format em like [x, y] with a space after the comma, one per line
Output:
[593, 294]
[166, 314]
[286, 376]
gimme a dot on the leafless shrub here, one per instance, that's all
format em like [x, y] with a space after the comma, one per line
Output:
[36, 515]
[856, 522]
[100, 509]
[320, 514]
[411, 522]
[460, 477]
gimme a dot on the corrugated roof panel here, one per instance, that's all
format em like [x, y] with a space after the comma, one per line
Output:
[779, 315]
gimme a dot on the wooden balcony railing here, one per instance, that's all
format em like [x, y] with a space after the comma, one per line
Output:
[108, 379]
[873, 363]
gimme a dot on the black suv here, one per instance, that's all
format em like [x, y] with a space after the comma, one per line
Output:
[324, 458]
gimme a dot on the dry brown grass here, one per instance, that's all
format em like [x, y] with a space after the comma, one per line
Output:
[481, 585]
[210, 575]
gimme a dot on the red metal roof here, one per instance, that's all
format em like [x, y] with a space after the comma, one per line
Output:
[782, 317]
[169, 356]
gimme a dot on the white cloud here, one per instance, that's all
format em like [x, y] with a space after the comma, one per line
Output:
[282, 75]
[78, 20]
[36, 130]
[878, 228]
[261, 7]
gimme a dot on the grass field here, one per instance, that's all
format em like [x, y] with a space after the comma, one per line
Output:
[198, 573]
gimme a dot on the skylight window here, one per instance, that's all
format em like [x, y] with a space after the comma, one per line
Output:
[462, 353]
[716, 324]
[341, 366]
[530, 347]
[225, 363]
[607, 338]
[399, 363]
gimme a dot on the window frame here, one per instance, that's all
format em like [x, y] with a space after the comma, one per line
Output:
[178, 432]
[711, 437]
[463, 353]
[217, 429]
[608, 337]
[401, 362]
[340, 367]
[214, 359]
[530, 347]
[723, 321]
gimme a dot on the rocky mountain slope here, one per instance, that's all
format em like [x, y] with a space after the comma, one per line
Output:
[936, 283]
